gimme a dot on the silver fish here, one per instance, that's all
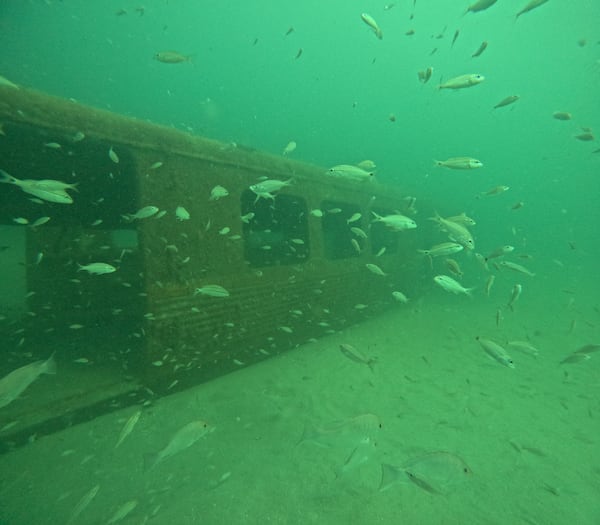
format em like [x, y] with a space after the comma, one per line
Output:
[97, 268]
[373, 268]
[128, 427]
[456, 232]
[266, 188]
[370, 21]
[516, 268]
[143, 213]
[349, 172]
[524, 347]
[395, 222]
[494, 350]
[48, 189]
[347, 432]
[516, 293]
[452, 286]
[83, 503]
[444, 248]
[17, 381]
[436, 472]
[184, 438]
[213, 290]
[463, 81]
[357, 356]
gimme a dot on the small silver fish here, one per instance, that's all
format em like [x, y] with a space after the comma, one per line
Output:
[444, 248]
[182, 214]
[437, 472]
[462, 81]
[370, 21]
[373, 268]
[128, 427]
[85, 500]
[516, 293]
[217, 193]
[113, 156]
[213, 290]
[172, 57]
[351, 173]
[497, 352]
[507, 101]
[357, 356]
[48, 189]
[97, 268]
[400, 297]
[143, 213]
[266, 188]
[499, 252]
[480, 49]
[395, 222]
[40, 222]
[460, 163]
[524, 347]
[355, 217]
[352, 431]
[516, 268]
[184, 438]
[359, 232]
[16, 382]
[450, 285]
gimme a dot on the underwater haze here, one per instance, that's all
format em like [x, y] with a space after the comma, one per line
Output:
[244, 84]
[473, 401]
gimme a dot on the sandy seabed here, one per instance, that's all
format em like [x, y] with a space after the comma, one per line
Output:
[529, 434]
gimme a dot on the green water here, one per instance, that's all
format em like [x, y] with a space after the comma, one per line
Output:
[529, 434]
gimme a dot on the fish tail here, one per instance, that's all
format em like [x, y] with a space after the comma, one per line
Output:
[313, 434]
[371, 364]
[6, 177]
[308, 434]
[50, 365]
[389, 476]
[436, 218]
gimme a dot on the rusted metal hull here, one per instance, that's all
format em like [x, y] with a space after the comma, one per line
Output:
[291, 275]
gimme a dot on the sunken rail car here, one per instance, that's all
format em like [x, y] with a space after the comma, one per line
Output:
[216, 279]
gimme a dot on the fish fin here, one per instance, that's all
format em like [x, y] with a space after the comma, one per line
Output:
[371, 364]
[389, 476]
[421, 483]
[50, 365]
[436, 218]
[7, 177]
[310, 433]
